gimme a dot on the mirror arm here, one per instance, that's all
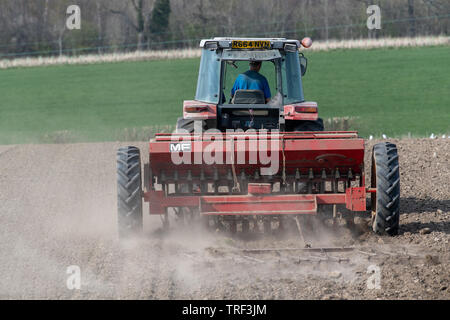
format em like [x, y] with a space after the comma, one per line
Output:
[303, 67]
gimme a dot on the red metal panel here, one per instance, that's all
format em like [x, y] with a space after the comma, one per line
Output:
[331, 198]
[356, 199]
[259, 188]
[159, 137]
[258, 205]
[329, 151]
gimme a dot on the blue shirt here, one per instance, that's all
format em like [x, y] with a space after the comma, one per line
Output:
[251, 80]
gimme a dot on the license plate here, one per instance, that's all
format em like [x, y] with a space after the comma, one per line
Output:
[250, 44]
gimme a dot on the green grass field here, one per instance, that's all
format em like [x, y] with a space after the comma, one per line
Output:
[391, 91]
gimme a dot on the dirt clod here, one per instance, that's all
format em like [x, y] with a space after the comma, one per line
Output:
[432, 260]
[335, 274]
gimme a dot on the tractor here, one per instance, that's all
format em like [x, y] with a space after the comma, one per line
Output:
[240, 162]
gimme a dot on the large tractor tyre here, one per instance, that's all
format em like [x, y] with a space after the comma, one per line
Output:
[316, 125]
[386, 179]
[189, 125]
[129, 192]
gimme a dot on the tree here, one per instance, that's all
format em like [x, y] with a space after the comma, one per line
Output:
[412, 22]
[32, 27]
[137, 24]
[159, 21]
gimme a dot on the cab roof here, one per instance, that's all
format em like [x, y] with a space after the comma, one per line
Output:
[226, 42]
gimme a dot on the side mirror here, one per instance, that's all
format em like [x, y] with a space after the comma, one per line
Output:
[303, 64]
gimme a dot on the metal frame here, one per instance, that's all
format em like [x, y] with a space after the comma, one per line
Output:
[354, 200]
[302, 154]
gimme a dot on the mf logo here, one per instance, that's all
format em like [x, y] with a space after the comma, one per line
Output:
[74, 20]
[180, 147]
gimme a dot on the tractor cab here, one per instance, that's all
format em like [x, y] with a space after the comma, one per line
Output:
[224, 59]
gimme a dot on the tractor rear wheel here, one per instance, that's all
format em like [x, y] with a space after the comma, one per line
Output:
[386, 179]
[316, 125]
[129, 192]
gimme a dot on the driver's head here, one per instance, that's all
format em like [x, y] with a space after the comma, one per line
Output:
[255, 65]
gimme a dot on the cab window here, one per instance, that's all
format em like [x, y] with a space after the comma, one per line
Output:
[234, 68]
[208, 83]
[292, 80]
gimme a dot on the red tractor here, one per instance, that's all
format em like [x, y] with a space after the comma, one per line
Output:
[240, 160]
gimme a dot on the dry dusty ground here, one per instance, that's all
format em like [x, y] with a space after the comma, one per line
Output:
[57, 209]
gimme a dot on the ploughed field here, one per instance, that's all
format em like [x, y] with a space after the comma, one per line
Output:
[58, 209]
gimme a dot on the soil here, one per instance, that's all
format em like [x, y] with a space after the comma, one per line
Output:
[58, 209]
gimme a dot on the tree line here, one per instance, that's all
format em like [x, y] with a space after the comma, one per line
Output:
[38, 27]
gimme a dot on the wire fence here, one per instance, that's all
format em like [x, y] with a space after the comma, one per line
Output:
[20, 62]
[180, 43]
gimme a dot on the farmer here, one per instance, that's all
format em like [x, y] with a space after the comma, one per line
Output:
[252, 80]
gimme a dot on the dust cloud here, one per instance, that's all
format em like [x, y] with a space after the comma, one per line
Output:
[58, 209]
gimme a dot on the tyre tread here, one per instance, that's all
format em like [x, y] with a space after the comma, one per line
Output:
[387, 215]
[129, 191]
